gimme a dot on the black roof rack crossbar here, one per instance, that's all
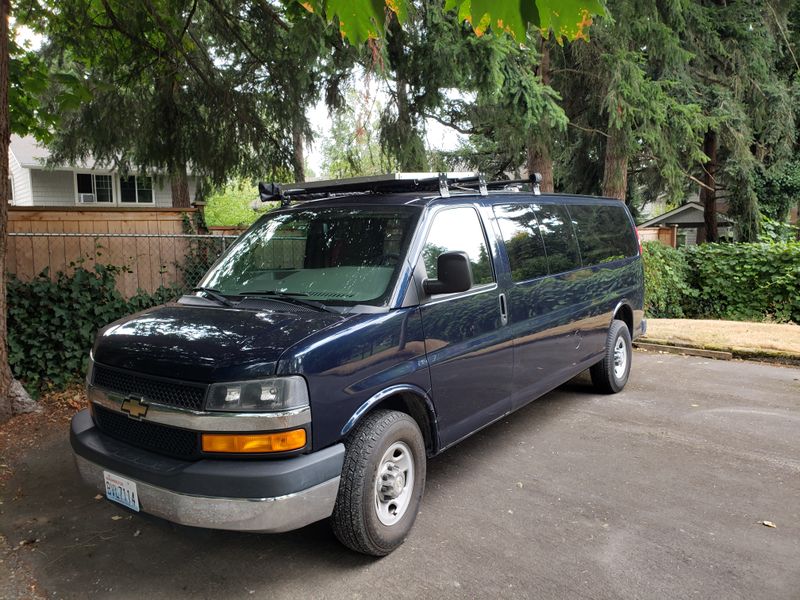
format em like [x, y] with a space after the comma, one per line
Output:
[393, 182]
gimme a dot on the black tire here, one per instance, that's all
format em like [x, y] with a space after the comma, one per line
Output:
[355, 518]
[604, 377]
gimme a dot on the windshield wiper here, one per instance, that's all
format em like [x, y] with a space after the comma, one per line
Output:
[215, 295]
[290, 298]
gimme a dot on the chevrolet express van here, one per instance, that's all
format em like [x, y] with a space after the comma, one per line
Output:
[347, 338]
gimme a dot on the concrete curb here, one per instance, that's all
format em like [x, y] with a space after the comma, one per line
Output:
[767, 356]
[671, 349]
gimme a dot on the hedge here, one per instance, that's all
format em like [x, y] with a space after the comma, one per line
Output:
[758, 281]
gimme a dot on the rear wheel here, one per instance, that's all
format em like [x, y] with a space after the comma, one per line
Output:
[611, 374]
[383, 479]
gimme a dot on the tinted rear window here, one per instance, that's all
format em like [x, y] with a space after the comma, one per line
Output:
[558, 236]
[520, 230]
[604, 233]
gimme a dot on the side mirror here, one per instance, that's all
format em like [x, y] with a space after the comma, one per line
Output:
[455, 274]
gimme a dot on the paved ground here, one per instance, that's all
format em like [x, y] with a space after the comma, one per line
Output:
[653, 493]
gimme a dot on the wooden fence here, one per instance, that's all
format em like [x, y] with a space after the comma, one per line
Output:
[149, 243]
[666, 235]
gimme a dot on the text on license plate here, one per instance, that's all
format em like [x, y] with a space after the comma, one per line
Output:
[121, 490]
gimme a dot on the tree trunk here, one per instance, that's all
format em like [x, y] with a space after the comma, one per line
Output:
[708, 193]
[539, 161]
[407, 146]
[298, 155]
[5, 137]
[615, 173]
[411, 150]
[180, 188]
[539, 158]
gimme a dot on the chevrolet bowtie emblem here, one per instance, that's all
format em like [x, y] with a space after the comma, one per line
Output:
[135, 407]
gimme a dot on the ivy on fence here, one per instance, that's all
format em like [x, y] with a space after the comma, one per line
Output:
[52, 322]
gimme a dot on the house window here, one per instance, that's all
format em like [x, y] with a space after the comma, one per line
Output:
[94, 188]
[10, 191]
[136, 189]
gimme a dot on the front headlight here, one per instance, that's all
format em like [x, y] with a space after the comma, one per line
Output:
[275, 394]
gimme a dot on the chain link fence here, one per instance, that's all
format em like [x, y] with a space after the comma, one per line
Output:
[146, 261]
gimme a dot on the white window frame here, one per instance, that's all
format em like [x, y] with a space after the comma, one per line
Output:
[136, 185]
[114, 188]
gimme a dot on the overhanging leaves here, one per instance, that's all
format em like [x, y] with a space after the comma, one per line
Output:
[360, 20]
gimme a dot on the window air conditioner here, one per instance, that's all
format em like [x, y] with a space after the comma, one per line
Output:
[86, 198]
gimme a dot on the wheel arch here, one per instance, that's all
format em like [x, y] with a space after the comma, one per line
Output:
[406, 398]
[624, 313]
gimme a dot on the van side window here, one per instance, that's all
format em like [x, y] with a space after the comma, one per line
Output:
[604, 233]
[520, 231]
[555, 227]
[458, 230]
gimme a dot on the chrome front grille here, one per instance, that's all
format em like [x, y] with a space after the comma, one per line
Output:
[151, 389]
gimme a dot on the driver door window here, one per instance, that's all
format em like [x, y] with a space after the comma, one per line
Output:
[458, 230]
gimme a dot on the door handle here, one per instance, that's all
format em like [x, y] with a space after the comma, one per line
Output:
[503, 309]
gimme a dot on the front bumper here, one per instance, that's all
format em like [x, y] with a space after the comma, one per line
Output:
[263, 495]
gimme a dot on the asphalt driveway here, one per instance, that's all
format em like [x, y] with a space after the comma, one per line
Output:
[657, 492]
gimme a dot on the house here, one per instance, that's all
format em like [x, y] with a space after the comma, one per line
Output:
[33, 184]
[688, 219]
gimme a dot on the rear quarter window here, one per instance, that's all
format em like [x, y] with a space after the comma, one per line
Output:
[604, 233]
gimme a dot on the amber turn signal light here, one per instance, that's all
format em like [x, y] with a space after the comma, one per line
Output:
[254, 443]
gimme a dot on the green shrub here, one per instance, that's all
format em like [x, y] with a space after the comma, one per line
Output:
[232, 205]
[666, 285]
[746, 281]
[52, 322]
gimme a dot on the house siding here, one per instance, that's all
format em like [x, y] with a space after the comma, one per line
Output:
[39, 187]
[52, 188]
[162, 192]
[21, 181]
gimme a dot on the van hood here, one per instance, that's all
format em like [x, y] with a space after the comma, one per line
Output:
[205, 344]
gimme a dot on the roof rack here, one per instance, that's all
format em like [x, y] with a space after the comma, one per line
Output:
[390, 182]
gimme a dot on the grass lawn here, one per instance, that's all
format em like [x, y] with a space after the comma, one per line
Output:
[740, 337]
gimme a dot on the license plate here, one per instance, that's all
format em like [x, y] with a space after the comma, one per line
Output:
[121, 490]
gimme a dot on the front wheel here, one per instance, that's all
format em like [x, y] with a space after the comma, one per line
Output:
[610, 375]
[383, 479]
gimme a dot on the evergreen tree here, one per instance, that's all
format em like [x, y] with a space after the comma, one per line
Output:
[738, 76]
[218, 87]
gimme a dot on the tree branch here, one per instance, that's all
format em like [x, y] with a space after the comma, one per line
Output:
[459, 129]
[588, 129]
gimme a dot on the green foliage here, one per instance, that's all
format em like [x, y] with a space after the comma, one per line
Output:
[778, 189]
[212, 86]
[352, 149]
[231, 205]
[746, 281]
[666, 285]
[361, 20]
[52, 322]
[777, 231]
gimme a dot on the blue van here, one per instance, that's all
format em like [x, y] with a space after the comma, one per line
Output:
[346, 338]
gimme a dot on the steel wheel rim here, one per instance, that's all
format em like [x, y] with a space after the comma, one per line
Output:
[394, 483]
[620, 358]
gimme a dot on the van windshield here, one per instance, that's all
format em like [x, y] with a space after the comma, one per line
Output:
[341, 256]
